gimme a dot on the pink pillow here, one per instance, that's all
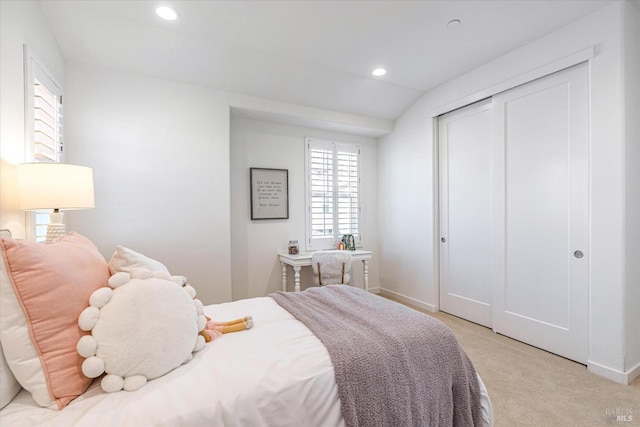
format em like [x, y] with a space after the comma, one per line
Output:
[45, 287]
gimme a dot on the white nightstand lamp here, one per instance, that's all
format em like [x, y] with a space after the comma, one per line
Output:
[56, 186]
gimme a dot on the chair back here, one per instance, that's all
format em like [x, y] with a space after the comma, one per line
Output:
[331, 267]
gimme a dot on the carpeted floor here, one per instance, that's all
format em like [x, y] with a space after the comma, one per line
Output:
[531, 387]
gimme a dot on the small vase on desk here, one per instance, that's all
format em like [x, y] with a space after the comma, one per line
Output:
[349, 242]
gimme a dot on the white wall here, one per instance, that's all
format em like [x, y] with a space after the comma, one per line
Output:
[406, 178]
[21, 22]
[632, 167]
[160, 157]
[255, 268]
[160, 151]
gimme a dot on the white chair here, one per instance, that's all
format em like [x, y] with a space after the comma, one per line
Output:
[331, 267]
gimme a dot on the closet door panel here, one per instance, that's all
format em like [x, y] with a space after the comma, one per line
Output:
[540, 276]
[537, 205]
[465, 186]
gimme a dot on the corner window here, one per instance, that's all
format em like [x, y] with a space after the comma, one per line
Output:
[332, 192]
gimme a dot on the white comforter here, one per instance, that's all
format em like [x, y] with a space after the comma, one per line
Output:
[275, 374]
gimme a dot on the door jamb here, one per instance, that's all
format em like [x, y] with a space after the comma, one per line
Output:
[436, 210]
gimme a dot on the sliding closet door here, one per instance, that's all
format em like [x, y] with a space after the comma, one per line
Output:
[541, 184]
[465, 186]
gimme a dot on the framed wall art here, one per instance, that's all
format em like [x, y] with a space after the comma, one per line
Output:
[269, 193]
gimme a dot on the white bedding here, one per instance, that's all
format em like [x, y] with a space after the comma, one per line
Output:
[275, 374]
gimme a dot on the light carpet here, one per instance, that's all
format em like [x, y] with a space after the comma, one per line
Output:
[532, 387]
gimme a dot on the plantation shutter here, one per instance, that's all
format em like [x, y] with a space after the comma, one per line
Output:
[47, 124]
[332, 193]
[321, 184]
[44, 123]
[348, 189]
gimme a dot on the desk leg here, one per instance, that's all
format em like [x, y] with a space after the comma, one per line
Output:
[365, 271]
[284, 277]
[296, 269]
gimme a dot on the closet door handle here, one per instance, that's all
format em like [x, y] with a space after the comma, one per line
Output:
[442, 239]
[578, 254]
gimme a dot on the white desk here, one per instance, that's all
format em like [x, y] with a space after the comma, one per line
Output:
[304, 260]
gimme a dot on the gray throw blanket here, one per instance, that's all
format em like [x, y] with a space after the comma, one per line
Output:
[394, 366]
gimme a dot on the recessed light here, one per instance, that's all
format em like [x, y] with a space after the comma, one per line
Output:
[166, 12]
[379, 72]
[453, 23]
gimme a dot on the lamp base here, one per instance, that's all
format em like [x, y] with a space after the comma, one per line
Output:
[56, 228]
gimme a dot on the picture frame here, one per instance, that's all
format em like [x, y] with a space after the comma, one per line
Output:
[269, 190]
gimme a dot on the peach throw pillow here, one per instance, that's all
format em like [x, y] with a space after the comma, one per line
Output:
[45, 287]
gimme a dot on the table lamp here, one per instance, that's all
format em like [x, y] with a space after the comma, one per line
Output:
[56, 186]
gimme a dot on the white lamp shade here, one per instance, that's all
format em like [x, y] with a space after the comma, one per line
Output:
[55, 186]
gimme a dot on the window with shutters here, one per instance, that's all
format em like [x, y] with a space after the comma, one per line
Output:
[43, 115]
[333, 192]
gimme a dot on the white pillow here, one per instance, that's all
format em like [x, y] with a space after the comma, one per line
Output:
[134, 342]
[19, 343]
[9, 386]
[126, 260]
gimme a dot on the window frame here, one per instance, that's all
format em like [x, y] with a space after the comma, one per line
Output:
[330, 242]
[36, 222]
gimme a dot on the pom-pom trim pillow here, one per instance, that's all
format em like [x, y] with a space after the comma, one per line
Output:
[43, 289]
[142, 326]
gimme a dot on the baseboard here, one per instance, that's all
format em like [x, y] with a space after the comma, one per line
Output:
[408, 300]
[620, 377]
[633, 373]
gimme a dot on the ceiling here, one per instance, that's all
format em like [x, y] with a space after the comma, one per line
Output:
[313, 53]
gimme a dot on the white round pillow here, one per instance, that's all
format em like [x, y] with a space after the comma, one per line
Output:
[142, 327]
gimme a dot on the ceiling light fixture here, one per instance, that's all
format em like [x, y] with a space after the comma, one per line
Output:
[379, 72]
[166, 12]
[453, 23]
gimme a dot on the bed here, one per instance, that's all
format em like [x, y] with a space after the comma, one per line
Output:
[278, 373]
